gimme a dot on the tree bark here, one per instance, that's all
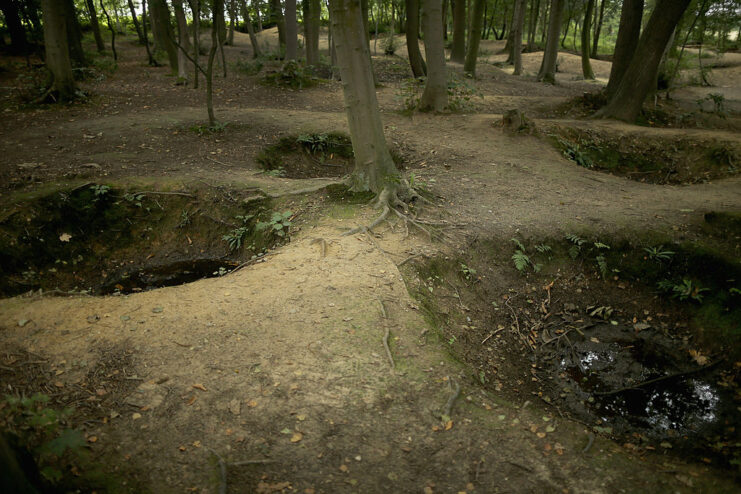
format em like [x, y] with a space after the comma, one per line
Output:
[57, 52]
[435, 95]
[136, 21]
[474, 38]
[152, 60]
[547, 72]
[276, 13]
[374, 169]
[458, 52]
[517, 25]
[195, 8]
[74, 34]
[291, 30]
[586, 31]
[412, 34]
[163, 33]
[183, 41]
[232, 20]
[110, 28]
[250, 30]
[95, 25]
[258, 15]
[18, 42]
[312, 13]
[627, 41]
[218, 9]
[640, 75]
[533, 24]
[598, 28]
[445, 19]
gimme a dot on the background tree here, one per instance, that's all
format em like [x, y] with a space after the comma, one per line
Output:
[135, 21]
[251, 30]
[11, 13]
[74, 33]
[458, 52]
[163, 33]
[291, 30]
[312, 11]
[547, 72]
[435, 95]
[474, 37]
[57, 52]
[598, 27]
[626, 43]
[586, 31]
[640, 75]
[276, 15]
[412, 35]
[183, 41]
[518, 21]
[94, 25]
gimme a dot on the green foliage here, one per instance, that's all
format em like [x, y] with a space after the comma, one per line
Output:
[461, 94]
[99, 191]
[578, 246]
[218, 127]
[278, 223]
[236, 237]
[249, 67]
[409, 93]
[468, 272]
[135, 199]
[575, 153]
[684, 290]
[292, 74]
[521, 260]
[543, 248]
[658, 254]
[185, 219]
[389, 44]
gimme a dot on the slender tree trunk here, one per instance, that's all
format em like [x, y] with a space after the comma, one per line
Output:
[111, 29]
[232, 20]
[586, 31]
[598, 28]
[627, 41]
[135, 21]
[152, 60]
[74, 34]
[533, 24]
[251, 30]
[445, 19]
[291, 30]
[259, 16]
[183, 41]
[435, 95]
[546, 16]
[374, 168]
[218, 8]
[566, 32]
[57, 51]
[195, 8]
[18, 42]
[412, 34]
[220, 18]
[276, 13]
[517, 25]
[95, 26]
[474, 38]
[636, 83]
[458, 52]
[547, 72]
[163, 32]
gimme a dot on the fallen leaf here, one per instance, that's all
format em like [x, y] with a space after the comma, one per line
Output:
[136, 416]
[252, 403]
[192, 400]
[698, 357]
[65, 237]
[92, 439]
[200, 386]
[196, 444]
[343, 468]
[183, 448]
[448, 425]
[541, 434]
[296, 437]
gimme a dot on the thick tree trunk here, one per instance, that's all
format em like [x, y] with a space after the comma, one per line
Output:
[640, 75]
[276, 14]
[627, 41]
[74, 33]
[474, 38]
[163, 32]
[136, 21]
[517, 25]
[312, 13]
[183, 41]
[18, 43]
[598, 28]
[547, 72]
[374, 168]
[412, 33]
[435, 95]
[95, 25]
[586, 31]
[251, 30]
[291, 30]
[458, 52]
[57, 51]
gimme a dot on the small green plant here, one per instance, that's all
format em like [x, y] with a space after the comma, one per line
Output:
[415, 183]
[543, 248]
[278, 224]
[468, 272]
[218, 127]
[409, 93]
[276, 172]
[221, 271]
[135, 199]
[185, 219]
[575, 153]
[684, 290]
[658, 254]
[575, 248]
[389, 45]
[99, 191]
[719, 104]
[316, 143]
[461, 94]
[521, 260]
[236, 237]
[292, 74]
[249, 67]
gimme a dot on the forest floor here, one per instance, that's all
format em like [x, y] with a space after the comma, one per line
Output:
[275, 377]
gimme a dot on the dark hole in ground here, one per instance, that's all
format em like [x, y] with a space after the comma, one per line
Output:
[308, 156]
[177, 273]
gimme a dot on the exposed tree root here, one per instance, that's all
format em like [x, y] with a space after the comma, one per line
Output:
[451, 401]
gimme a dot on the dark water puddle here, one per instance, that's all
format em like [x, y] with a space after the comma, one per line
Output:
[645, 387]
[176, 273]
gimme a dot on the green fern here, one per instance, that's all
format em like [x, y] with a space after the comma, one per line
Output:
[519, 245]
[543, 248]
[600, 245]
[521, 261]
[602, 264]
[575, 239]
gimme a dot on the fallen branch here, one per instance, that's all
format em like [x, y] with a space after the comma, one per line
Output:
[152, 193]
[451, 401]
[222, 471]
[658, 379]
[386, 335]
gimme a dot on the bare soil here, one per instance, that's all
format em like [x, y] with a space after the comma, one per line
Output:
[278, 372]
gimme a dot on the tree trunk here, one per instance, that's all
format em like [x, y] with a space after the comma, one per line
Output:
[218, 8]
[435, 95]
[641, 73]
[57, 51]
[412, 33]
[627, 40]
[586, 31]
[312, 19]
[163, 32]
[566, 32]
[291, 30]
[474, 38]
[152, 60]
[458, 52]
[232, 20]
[445, 19]
[533, 24]
[517, 25]
[276, 13]
[110, 28]
[18, 43]
[74, 34]
[547, 72]
[195, 8]
[598, 28]
[251, 30]
[374, 169]
[258, 15]
[183, 41]
[136, 21]
[95, 26]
